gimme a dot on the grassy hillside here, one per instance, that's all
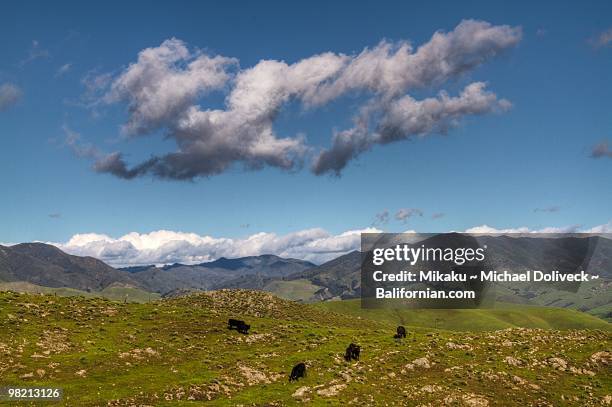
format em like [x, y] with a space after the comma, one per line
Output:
[504, 316]
[593, 297]
[129, 294]
[296, 290]
[117, 293]
[25, 287]
[180, 352]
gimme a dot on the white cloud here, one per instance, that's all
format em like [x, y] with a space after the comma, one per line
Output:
[163, 246]
[404, 118]
[316, 245]
[524, 229]
[164, 83]
[64, 69]
[605, 228]
[163, 90]
[389, 69]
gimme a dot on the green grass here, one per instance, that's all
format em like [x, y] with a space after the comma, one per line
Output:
[166, 352]
[296, 290]
[128, 294]
[25, 287]
[594, 297]
[501, 317]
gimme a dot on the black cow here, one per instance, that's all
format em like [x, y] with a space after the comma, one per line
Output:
[401, 332]
[298, 371]
[238, 325]
[352, 352]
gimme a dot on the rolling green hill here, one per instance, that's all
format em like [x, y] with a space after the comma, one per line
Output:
[179, 352]
[296, 290]
[114, 292]
[502, 317]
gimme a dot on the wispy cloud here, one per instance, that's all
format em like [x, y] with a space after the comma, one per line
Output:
[381, 218]
[80, 148]
[35, 52]
[62, 70]
[438, 215]
[405, 213]
[548, 209]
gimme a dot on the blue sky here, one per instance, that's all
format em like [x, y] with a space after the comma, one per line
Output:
[493, 169]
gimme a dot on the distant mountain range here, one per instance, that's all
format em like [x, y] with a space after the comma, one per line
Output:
[342, 275]
[46, 265]
[221, 273]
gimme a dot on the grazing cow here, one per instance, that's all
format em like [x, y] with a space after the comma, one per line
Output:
[238, 325]
[401, 332]
[352, 352]
[298, 371]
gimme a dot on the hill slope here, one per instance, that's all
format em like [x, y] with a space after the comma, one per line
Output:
[112, 292]
[180, 352]
[48, 266]
[501, 317]
[245, 272]
[340, 278]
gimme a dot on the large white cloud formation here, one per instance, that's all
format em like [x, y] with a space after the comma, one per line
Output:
[316, 245]
[164, 247]
[164, 87]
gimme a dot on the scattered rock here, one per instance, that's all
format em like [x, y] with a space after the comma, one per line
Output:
[454, 346]
[513, 361]
[139, 354]
[557, 363]
[301, 392]
[422, 362]
[254, 376]
[603, 358]
[332, 390]
[431, 388]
